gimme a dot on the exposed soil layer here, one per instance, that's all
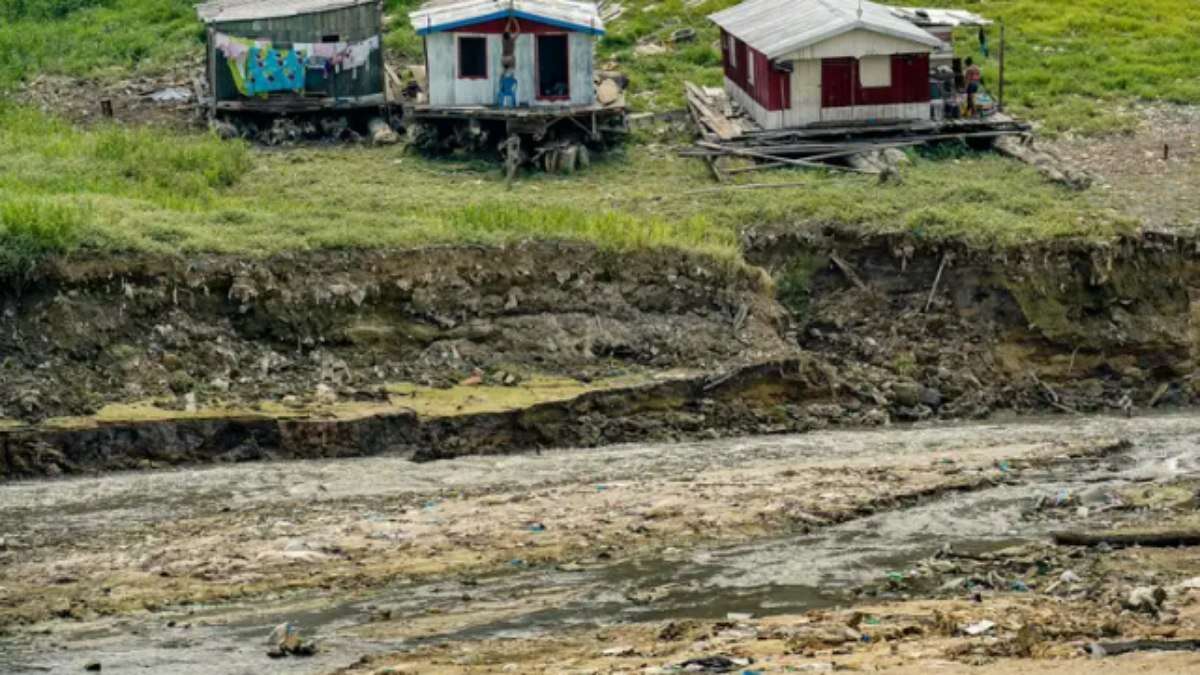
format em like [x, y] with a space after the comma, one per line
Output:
[213, 331]
[853, 332]
[938, 329]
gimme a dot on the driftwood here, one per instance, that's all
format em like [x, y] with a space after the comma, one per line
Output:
[848, 271]
[1121, 539]
[1118, 648]
[937, 280]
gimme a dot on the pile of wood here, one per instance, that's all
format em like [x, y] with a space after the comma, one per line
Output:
[726, 132]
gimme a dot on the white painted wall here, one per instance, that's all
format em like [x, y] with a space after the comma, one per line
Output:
[858, 43]
[805, 106]
[446, 89]
[882, 113]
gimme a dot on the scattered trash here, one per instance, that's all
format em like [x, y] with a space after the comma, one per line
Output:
[1146, 599]
[93, 667]
[1019, 586]
[285, 640]
[684, 35]
[537, 527]
[171, 95]
[1070, 577]
[980, 628]
[739, 616]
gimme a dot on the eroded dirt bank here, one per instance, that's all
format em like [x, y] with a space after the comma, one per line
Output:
[219, 359]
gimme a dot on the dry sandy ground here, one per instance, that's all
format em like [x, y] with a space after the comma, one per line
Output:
[1135, 178]
[81, 552]
[87, 547]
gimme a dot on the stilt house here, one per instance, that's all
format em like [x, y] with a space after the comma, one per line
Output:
[796, 63]
[471, 46]
[288, 56]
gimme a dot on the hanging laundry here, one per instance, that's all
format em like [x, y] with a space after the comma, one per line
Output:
[270, 70]
[236, 50]
[359, 54]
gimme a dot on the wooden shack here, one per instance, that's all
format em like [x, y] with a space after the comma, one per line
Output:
[548, 46]
[798, 63]
[294, 56]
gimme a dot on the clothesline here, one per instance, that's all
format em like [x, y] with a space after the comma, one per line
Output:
[258, 68]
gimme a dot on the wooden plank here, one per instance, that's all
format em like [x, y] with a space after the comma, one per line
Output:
[718, 123]
[773, 158]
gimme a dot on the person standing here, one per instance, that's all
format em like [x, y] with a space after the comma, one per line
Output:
[973, 76]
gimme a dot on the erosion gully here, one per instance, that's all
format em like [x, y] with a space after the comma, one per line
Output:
[786, 575]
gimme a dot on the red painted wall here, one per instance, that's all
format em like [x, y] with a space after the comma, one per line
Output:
[840, 83]
[772, 88]
[498, 26]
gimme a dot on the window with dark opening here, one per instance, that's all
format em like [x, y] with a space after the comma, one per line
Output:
[552, 67]
[472, 58]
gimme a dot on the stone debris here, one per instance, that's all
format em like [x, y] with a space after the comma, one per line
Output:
[285, 640]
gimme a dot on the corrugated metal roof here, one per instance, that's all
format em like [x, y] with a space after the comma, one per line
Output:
[778, 27]
[220, 11]
[923, 16]
[439, 15]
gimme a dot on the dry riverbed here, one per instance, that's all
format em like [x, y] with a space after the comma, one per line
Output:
[181, 569]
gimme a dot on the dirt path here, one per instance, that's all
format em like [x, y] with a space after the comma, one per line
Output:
[380, 551]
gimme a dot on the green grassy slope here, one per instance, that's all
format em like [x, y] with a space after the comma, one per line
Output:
[1071, 64]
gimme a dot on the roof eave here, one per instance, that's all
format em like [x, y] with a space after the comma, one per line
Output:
[421, 25]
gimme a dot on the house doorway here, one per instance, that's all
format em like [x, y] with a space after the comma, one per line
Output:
[553, 68]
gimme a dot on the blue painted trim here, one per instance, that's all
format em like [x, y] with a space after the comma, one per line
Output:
[504, 14]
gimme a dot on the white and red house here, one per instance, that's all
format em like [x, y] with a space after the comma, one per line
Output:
[797, 63]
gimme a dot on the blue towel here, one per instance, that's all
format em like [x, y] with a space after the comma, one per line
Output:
[270, 70]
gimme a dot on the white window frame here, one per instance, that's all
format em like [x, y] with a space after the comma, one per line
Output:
[751, 66]
[732, 51]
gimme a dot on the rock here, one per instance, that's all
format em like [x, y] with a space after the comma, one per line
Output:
[325, 394]
[285, 640]
[93, 666]
[649, 49]
[979, 628]
[906, 394]
[1146, 599]
[608, 92]
[930, 397]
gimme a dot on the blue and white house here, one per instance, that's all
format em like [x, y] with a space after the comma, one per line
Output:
[539, 53]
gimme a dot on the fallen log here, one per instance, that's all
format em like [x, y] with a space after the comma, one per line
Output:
[1098, 649]
[1122, 539]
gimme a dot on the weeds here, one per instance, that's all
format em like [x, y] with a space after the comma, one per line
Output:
[31, 229]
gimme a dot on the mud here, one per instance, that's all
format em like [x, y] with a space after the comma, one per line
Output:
[549, 561]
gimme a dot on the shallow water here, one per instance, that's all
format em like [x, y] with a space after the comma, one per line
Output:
[785, 575]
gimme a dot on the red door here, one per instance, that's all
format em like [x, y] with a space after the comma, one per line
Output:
[837, 83]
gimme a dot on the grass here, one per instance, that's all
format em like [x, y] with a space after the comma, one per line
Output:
[118, 189]
[1072, 65]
